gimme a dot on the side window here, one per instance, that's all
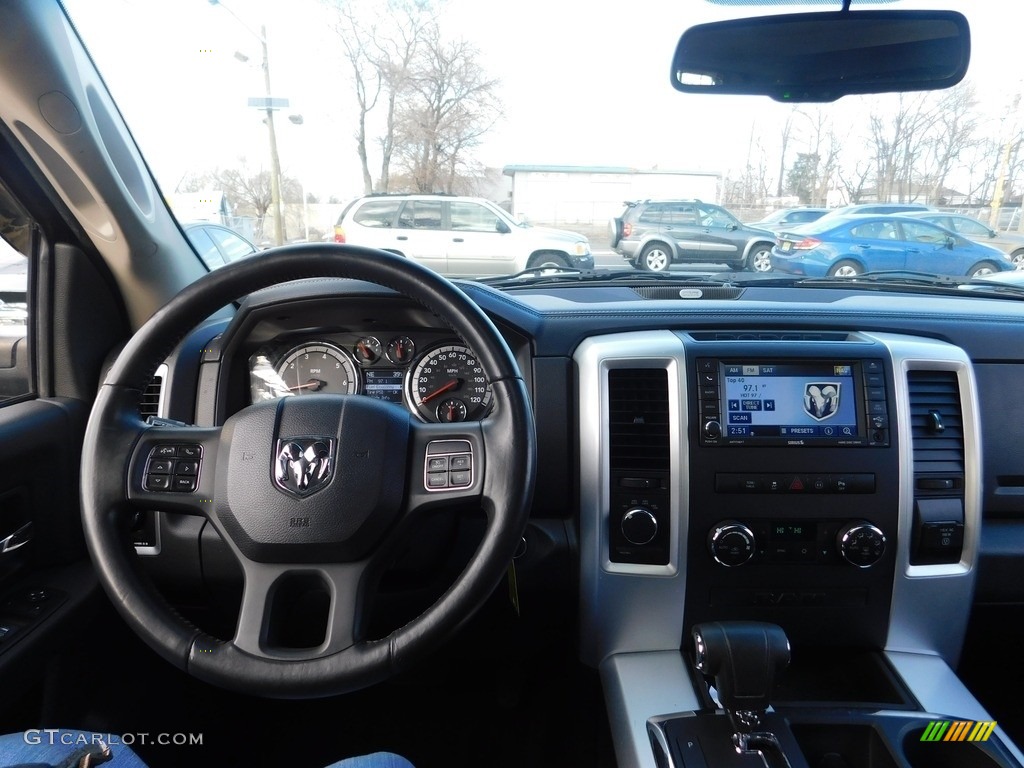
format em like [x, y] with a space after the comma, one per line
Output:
[15, 249]
[970, 228]
[377, 213]
[679, 215]
[715, 217]
[205, 248]
[651, 215]
[473, 217]
[875, 230]
[920, 232]
[421, 214]
[231, 245]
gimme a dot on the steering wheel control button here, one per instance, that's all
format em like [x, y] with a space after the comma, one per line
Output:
[158, 483]
[448, 465]
[174, 468]
[161, 467]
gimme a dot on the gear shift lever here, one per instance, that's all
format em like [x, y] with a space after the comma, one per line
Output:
[743, 657]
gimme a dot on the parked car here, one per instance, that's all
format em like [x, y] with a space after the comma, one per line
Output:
[217, 245]
[458, 236]
[979, 232]
[876, 209]
[778, 220]
[847, 246]
[654, 234]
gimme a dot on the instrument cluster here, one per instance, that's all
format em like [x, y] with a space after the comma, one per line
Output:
[437, 378]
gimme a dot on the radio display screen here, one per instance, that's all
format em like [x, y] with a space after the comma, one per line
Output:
[790, 401]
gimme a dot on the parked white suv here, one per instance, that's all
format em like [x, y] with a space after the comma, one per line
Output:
[458, 236]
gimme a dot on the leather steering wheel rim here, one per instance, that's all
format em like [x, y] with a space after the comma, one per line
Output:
[115, 436]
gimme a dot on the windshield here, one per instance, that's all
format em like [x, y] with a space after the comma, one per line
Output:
[436, 129]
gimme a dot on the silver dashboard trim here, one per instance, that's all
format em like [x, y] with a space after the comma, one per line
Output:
[622, 606]
[640, 686]
[920, 619]
[161, 411]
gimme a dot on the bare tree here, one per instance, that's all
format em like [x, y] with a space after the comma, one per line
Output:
[247, 190]
[454, 104]
[897, 138]
[954, 132]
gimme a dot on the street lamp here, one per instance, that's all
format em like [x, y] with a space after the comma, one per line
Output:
[268, 104]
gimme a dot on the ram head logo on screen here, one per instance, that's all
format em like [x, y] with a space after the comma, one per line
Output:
[821, 399]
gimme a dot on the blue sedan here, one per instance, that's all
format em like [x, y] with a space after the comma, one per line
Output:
[851, 245]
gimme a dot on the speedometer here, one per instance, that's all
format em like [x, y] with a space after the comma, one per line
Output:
[448, 384]
[318, 368]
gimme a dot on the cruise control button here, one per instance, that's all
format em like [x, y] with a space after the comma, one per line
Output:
[459, 462]
[459, 478]
[158, 482]
[438, 464]
[437, 480]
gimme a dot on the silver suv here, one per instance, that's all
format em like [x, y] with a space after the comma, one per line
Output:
[458, 236]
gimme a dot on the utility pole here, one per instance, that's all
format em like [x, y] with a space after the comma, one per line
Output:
[275, 159]
[268, 104]
[1004, 164]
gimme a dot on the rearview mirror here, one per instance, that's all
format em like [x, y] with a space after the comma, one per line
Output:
[823, 56]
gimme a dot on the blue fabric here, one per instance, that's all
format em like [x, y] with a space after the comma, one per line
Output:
[376, 760]
[63, 748]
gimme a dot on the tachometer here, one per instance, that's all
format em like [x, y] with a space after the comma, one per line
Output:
[448, 384]
[320, 367]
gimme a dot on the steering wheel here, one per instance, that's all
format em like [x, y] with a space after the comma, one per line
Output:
[305, 490]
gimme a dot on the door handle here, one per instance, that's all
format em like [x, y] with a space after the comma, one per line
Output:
[458, 240]
[403, 237]
[16, 540]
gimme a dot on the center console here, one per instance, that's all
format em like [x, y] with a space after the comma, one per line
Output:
[824, 482]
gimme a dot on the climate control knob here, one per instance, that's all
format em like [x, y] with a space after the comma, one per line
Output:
[639, 526]
[731, 543]
[861, 544]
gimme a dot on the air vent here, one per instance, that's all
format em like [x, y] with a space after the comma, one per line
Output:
[663, 292]
[936, 422]
[638, 420]
[770, 336]
[150, 405]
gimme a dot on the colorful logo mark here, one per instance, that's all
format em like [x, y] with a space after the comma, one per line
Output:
[958, 730]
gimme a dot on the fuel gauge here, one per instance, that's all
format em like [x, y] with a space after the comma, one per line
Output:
[401, 350]
[367, 350]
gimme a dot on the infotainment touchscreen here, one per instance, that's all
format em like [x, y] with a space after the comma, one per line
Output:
[790, 401]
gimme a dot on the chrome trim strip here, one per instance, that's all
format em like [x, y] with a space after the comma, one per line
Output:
[637, 688]
[161, 402]
[16, 540]
[623, 607]
[931, 603]
[155, 549]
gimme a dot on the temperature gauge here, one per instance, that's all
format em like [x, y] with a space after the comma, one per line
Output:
[451, 410]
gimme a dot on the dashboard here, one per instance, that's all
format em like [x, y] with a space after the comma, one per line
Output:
[840, 463]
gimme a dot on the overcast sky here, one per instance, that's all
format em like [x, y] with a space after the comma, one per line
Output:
[583, 82]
